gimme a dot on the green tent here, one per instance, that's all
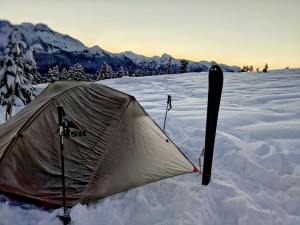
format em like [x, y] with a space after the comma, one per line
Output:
[113, 146]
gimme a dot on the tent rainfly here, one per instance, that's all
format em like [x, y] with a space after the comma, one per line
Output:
[113, 146]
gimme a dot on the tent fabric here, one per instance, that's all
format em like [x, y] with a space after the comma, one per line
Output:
[113, 147]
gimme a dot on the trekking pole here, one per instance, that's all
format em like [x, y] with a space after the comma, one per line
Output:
[169, 106]
[62, 127]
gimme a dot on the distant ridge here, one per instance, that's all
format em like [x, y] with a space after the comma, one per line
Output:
[65, 51]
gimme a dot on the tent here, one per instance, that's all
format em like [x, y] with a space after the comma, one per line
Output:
[113, 146]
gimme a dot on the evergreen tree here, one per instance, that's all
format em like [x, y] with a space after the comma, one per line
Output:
[169, 68]
[121, 73]
[30, 64]
[155, 72]
[245, 69]
[1, 60]
[183, 66]
[95, 76]
[105, 72]
[265, 70]
[137, 73]
[17, 73]
[148, 73]
[78, 72]
[64, 74]
[53, 73]
[50, 72]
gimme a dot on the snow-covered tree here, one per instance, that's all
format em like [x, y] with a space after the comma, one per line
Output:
[17, 72]
[121, 73]
[169, 68]
[54, 72]
[63, 75]
[77, 71]
[137, 73]
[105, 72]
[155, 72]
[1, 60]
[183, 66]
[147, 73]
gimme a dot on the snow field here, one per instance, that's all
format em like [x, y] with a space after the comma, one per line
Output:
[256, 166]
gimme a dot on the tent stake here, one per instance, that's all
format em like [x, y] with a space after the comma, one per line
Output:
[169, 106]
[66, 219]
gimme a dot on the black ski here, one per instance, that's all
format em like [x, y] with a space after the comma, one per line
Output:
[215, 85]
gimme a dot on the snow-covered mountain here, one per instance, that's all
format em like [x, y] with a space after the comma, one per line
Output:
[65, 51]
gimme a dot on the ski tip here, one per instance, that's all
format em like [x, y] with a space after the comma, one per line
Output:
[215, 68]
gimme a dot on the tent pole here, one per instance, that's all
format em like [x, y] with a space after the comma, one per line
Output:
[66, 219]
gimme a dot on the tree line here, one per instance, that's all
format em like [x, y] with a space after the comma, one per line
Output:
[77, 72]
[250, 68]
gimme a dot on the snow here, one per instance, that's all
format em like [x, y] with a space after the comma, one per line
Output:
[139, 59]
[42, 34]
[97, 50]
[256, 166]
[54, 39]
[4, 33]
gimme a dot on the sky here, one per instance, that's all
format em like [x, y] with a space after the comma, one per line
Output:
[233, 32]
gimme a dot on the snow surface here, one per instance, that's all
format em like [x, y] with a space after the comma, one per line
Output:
[256, 166]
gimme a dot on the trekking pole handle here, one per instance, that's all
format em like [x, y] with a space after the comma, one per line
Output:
[169, 102]
[61, 114]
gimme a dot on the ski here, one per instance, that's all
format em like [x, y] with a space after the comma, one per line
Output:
[215, 85]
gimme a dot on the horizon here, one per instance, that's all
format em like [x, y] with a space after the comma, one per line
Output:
[236, 33]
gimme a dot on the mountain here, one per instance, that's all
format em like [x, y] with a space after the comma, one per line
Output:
[53, 48]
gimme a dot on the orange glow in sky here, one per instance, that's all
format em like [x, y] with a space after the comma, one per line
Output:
[233, 32]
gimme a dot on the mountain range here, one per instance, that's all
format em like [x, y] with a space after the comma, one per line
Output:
[62, 50]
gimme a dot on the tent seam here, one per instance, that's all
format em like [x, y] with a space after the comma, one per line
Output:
[166, 135]
[23, 128]
[105, 151]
